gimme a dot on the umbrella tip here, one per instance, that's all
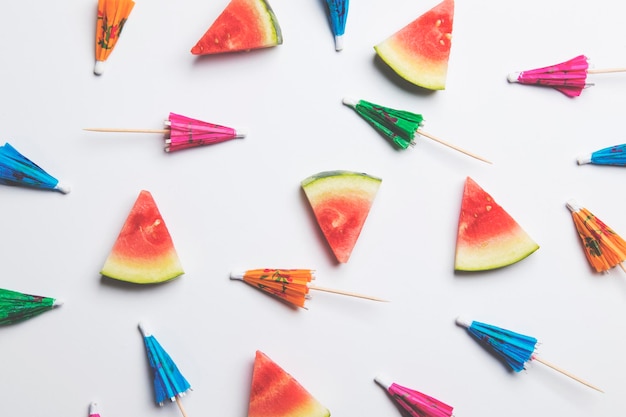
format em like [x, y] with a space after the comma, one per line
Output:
[237, 274]
[98, 69]
[463, 322]
[57, 303]
[584, 159]
[93, 409]
[382, 381]
[63, 188]
[348, 101]
[513, 77]
[573, 205]
[338, 43]
[241, 133]
[142, 329]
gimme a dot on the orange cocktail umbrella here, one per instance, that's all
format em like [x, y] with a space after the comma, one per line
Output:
[112, 16]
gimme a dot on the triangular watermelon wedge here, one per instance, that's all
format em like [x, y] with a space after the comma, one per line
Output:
[341, 201]
[488, 237]
[243, 25]
[420, 51]
[275, 393]
[143, 252]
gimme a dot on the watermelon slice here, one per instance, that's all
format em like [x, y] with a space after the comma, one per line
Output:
[275, 393]
[243, 25]
[143, 252]
[488, 237]
[341, 201]
[419, 52]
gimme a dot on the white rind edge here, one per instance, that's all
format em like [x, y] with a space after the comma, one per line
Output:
[573, 205]
[382, 381]
[142, 329]
[513, 77]
[237, 274]
[63, 188]
[338, 42]
[584, 159]
[98, 69]
[463, 322]
[348, 101]
[93, 409]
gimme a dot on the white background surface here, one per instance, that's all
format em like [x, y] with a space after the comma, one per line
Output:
[239, 205]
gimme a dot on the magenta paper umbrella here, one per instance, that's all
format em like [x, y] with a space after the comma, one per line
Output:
[569, 77]
[413, 403]
[183, 132]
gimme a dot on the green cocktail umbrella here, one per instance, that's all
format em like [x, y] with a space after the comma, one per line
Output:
[399, 126]
[16, 306]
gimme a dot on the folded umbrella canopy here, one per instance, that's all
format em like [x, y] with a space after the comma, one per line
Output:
[16, 169]
[112, 16]
[16, 306]
[338, 14]
[613, 155]
[413, 403]
[169, 383]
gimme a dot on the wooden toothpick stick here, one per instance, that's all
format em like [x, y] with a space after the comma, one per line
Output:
[348, 293]
[449, 145]
[566, 373]
[103, 129]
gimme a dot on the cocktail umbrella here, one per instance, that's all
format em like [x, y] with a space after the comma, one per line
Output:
[613, 155]
[338, 13]
[16, 169]
[182, 132]
[513, 348]
[569, 77]
[169, 383]
[398, 126]
[413, 403]
[289, 285]
[603, 247]
[112, 16]
[16, 306]
[93, 410]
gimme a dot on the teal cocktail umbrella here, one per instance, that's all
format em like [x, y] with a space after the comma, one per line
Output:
[16, 169]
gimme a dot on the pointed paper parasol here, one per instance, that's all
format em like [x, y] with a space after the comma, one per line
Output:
[613, 155]
[169, 383]
[603, 247]
[93, 410]
[182, 132]
[569, 77]
[16, 169]
[112, 16]
[398, 126]
[338, 13]
[289, 285]
[413, 403]
[16, 306]
[513, 348]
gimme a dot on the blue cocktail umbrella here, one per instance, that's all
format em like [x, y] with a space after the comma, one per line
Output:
[169, 383]
[613, 155]
[338, 13]
[513, 348]
[16, 169]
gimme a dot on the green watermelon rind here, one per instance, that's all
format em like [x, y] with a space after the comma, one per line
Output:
[409, 58]
[498, 248]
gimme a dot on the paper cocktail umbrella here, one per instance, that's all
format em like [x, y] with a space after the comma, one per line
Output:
[16, 169]
[613, 155]
[182, 132]
[93, 410]
[569, 77]
[413, 403]
[16, 306]
[513, 348]
[289, 285]
[398, 126]
[338, 13]
[603, 247]
[169, 383]
[112, 16]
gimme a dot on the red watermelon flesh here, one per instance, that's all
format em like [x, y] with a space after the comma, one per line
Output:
[341, 202]
[243, 25]
[144, 252]
[488, 237]
[275, 393]
[420, 51]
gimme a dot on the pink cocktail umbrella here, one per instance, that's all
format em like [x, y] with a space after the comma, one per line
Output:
[569, 77]
[413, 403]
[183, 132]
